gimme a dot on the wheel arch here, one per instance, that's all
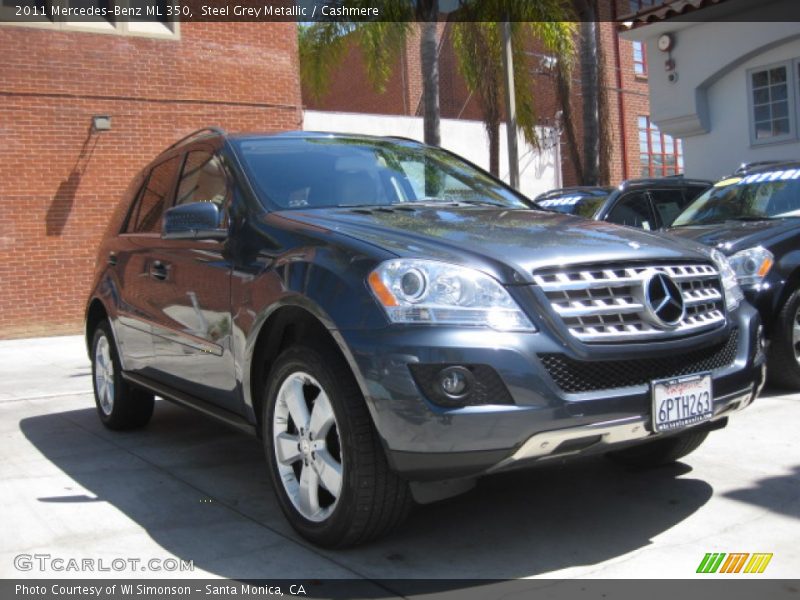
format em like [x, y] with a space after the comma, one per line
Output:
[792, 281]
[294, 320]
[95, 314]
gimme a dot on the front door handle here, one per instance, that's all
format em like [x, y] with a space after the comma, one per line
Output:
[158, 270]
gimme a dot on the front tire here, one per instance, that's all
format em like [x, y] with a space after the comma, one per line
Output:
[783, 364]
[326, 462]
[119, 405]
[659, 452]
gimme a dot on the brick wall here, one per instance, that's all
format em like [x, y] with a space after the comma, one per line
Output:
[60, 181]
[627, 101]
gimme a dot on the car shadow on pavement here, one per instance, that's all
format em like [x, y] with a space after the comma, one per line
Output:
[778, 494]
[201, 491]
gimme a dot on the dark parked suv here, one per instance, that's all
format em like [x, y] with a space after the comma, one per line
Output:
[393, 323]
[754, 218]
[650, 204]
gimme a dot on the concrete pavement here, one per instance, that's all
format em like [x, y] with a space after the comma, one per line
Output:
[190, 489]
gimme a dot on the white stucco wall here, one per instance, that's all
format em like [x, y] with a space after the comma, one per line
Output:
[539, 170]
[727, 144]
[707, 107]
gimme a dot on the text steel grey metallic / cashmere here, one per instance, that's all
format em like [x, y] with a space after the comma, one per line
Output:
[394, 322]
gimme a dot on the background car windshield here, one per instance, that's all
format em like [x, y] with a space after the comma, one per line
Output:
[323, 172]
[574, 204]
[761, 196]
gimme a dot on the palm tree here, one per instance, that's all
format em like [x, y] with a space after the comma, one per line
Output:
[322, 46]
[591, 165]
[476, 41]
[478, 48]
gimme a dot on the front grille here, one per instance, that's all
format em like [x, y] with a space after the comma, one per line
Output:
[588, 376]
[605, 304]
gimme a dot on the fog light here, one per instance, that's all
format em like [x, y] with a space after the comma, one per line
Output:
[456, 382]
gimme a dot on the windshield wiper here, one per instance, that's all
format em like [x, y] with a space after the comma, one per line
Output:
[721, 221]
[482, 202]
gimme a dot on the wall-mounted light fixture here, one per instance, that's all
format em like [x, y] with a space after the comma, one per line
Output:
[101, 123]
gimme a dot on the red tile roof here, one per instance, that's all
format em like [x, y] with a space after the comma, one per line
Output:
[667, 10]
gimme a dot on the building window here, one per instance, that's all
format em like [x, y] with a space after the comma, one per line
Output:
[637, 5]
[639, 59]
[659, 154]
[771, 104]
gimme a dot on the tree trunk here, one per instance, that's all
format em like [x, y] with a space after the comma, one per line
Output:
[430, 72]
[493, 130]
[567, 123]
[590, 86]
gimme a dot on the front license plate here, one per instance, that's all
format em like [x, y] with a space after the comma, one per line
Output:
[680, 402]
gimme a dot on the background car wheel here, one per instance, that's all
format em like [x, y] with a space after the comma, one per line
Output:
[120, 405]
[659, 452]
[783, 362]
[325, 459]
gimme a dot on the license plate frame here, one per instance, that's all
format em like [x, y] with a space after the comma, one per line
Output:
[689, 398]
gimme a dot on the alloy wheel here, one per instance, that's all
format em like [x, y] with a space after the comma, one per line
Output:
[307, 446]
[104, 375]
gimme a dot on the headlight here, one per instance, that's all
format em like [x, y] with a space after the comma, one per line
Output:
[752, 265]
[733, 293]
[425, 291]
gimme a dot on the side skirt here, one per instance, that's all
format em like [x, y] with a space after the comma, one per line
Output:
[206, 408]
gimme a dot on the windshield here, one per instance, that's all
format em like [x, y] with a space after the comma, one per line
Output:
[770, 195]
[304, 173]
[574, 204]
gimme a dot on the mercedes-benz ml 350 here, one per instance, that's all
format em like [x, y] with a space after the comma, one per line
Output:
[393, 323]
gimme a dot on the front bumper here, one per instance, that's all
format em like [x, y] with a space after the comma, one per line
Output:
[426, 442]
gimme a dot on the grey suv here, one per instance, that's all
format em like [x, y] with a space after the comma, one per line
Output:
[394, 323]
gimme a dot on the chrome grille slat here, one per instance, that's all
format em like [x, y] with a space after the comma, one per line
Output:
[604, 304]
[597, 309]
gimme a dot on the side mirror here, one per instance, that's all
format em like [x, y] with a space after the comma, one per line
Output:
[194, 221]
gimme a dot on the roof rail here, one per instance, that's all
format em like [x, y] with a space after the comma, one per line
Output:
[680, 178]
[216, 130]
[746, 166]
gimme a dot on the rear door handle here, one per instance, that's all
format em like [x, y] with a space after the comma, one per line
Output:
[158, 270]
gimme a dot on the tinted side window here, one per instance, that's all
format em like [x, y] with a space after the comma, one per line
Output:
[154, 198]
[633, 210]
[669, 204]
[202, 180]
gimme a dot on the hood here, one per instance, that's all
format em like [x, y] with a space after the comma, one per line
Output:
[733, 236]
[511, 243]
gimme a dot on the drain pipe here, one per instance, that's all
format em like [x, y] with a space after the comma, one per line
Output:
[620, 94]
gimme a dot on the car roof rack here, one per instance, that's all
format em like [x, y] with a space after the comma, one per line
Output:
[678, 179]
[212, 130]
[747, 166]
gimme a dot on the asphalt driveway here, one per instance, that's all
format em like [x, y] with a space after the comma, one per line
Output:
[190, 489]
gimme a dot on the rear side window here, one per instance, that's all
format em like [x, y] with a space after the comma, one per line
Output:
[670, 203]
[633, 210]
[203, 179]
[153, 199]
